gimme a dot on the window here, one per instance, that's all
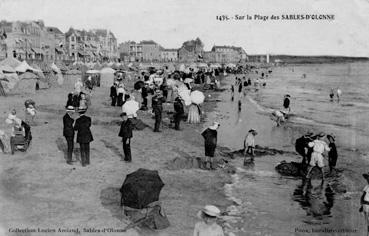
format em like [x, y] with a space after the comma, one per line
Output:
[72, 39]
[72, 46]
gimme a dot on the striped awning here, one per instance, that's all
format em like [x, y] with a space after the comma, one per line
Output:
[38, 51]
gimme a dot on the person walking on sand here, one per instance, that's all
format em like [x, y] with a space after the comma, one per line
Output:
[68, 132]
[125, 133]
[84, 135]
[208, 226]
[319, 146]
[113, 94]
[210, 136]
[364, 201]
[301, 147]
[157, 107]
[179, 111]
[332, 154]
[331, 95]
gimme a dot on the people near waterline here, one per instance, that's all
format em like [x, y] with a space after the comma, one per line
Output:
[179, 111]
[194, 114]
[121, 94]
[279, 117]
[301, 146]
[208, 225]
[113, 94]
[249, 81]
[331, 95]
[125, 133]
[239, 105]
[84, 135]
[364, 201]
[332, 154]
[249, 143]
[210, 136]
[319, 146]
[157, 107]
[339, 93]
[68, 132]
[240, 88]
[232, 90]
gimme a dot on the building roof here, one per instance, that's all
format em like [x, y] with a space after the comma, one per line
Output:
[54, 30]
[170, 50]
[148, 42]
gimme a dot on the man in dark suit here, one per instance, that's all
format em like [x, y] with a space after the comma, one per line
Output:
[84, 135]
[126, 133]
[113, 94]
[68, 132]
[157, 107]
[179, 111]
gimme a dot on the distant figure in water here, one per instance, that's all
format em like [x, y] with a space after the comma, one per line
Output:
[249, 144]
[332, 154]
[339, 92]
[331, 95]
[319, 146]
[303, 76]
[239, 105]
[364, 201]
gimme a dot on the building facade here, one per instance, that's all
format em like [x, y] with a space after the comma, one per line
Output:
[130, 51]
[227, 54]
[191, 51]
[150, 51]
[169, 55]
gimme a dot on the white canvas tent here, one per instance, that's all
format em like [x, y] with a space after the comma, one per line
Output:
[23, 67]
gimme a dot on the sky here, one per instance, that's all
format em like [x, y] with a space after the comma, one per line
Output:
[171, 22]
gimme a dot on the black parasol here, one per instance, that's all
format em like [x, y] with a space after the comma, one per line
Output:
[139, 84]
[141, 188]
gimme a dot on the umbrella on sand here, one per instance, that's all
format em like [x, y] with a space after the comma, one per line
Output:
[197, 97]
[141, 188]
[139, 85]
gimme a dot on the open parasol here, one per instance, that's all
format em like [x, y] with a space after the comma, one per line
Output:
[197, 97]
[141, 188]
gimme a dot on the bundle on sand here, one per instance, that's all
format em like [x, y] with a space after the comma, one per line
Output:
[259, 151]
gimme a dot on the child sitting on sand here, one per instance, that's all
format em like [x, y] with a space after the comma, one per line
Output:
[208, 225]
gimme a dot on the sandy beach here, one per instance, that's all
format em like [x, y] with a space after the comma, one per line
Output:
[39, 190]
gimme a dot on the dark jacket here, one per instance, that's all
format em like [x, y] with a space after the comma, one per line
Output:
[286, 103]
[178, 106]
[210, 137]
[126, 129]
[157, 103]
[83, 124]
[68, 130]
[113, 91]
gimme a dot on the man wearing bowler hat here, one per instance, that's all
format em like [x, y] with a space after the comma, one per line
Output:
[68, 132]
[84, 135]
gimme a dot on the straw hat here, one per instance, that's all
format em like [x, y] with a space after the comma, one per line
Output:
[211, 210]
[70, 108]
[214, 126]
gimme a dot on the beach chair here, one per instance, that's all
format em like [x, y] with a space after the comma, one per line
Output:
[20, 141]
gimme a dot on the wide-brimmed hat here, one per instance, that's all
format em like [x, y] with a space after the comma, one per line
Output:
[214, 126]
[321, 134]
[70, 108]
[331, 136]
[211, 210]
[253, 131]
[82, 109]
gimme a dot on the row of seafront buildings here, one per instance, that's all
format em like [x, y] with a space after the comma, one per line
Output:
[32, 40]
[190, 51]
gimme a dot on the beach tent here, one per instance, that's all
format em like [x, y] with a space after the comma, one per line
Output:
[23, 67]
[7, 69]
[12, 62]
[106, 77]
[26, 84]
[92, 72]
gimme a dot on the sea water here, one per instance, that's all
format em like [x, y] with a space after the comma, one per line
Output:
[256, 190]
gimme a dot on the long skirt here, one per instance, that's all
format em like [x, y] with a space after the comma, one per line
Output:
[209, 149]
[193, 114]
[5, 142]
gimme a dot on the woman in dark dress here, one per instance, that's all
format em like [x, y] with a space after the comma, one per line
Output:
[210, 136]
[332, 154]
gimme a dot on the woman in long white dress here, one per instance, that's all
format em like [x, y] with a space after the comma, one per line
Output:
[194, 113]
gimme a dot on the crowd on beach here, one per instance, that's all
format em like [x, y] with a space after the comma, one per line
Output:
[182, 90]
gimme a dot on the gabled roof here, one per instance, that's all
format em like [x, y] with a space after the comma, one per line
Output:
[53, 30]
